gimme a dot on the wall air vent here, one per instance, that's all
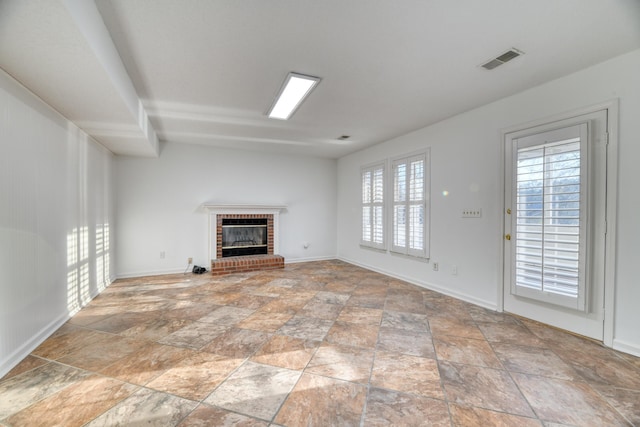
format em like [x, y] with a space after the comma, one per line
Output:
[505, 57]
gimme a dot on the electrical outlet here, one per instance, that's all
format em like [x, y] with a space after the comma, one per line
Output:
[162, 255]
[454, 270]
[435, 266]
[189, 260]
[471, 213]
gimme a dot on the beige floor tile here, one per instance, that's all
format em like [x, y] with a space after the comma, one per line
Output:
[466, 351]
[356, 334]
[286, 352]
[321, 401]
[390, 408]
[75, 405]
[483, 387]
[342, 362]
[409, 374]
[567, 402]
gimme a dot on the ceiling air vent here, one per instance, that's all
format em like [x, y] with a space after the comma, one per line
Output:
[505, 57]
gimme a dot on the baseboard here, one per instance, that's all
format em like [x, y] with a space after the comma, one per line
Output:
[427, 285]
[309, 259]
[25, 349]
[626, 347]
[130, 275]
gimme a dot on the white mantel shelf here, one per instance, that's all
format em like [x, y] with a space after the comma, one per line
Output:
[241, 208]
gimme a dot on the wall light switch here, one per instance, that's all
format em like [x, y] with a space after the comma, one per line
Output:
[471, 213]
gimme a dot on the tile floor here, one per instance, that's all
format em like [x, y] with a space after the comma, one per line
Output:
[316, 344]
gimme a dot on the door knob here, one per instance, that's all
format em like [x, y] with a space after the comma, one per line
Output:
[508, 237]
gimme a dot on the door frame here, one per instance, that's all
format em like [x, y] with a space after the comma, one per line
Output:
[611, 204]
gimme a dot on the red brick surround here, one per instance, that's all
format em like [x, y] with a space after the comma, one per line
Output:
[236, 264]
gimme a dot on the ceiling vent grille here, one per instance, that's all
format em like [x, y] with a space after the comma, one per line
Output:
[504, 58]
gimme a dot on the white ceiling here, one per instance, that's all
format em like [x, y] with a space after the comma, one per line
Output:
[206, 71]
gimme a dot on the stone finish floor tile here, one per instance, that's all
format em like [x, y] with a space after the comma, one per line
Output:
[389, 408]
[307, 328]
[466, 350]
[402, 320]
[321, 401]
[409, 374]
[255, 390]
[237, 343]
[342, 362]
[148, 408]
[483, 387]
[264, 321]
[406, 341]
[195, 335]
[315, 343]
[567, 402]
[355, 334]
[361, 315]
[286, 352]
[28, 363]
[195, 376]
[466, 416]
[75, 405]
[205, 416]
[535, 361]
[21, 391]
[145, 364]
[321, 310]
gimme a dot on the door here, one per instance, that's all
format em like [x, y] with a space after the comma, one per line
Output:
[555, 223]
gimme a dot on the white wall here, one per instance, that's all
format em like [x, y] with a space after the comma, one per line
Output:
[159, 203]
[466, 162]
[55, 219]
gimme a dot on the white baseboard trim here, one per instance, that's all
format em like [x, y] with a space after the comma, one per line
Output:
[626, 347]
[132, 274]
[433, 287]
[310, 259]
[25, 349]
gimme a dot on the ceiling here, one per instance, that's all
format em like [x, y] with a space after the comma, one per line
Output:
[135, 72]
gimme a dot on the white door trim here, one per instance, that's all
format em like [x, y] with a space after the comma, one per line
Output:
[612, 107]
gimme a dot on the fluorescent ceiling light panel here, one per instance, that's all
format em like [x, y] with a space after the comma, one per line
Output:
[295, 89]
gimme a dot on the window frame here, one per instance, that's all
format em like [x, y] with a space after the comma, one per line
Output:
[371, 168]
[406, 159]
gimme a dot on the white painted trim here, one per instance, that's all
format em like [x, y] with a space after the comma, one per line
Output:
[611, 214]
[25, 349]
[626, 347]
[132, 274]
[612, 107]
[309, 259]
[427, 285]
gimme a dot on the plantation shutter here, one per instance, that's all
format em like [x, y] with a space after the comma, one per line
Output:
[373, 206]
[410, 206]
[551, 214]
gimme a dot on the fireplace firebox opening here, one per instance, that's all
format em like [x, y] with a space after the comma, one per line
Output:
[244, 236]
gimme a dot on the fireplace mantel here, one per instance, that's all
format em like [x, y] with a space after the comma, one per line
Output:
[245, 209]
[215, 209]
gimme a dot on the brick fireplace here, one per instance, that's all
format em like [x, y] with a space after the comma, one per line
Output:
[243, 238]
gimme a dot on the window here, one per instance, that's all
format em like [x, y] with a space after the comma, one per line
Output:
[373, 207]
[410, 207]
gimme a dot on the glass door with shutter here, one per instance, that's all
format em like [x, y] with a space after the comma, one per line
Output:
[554, 216]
